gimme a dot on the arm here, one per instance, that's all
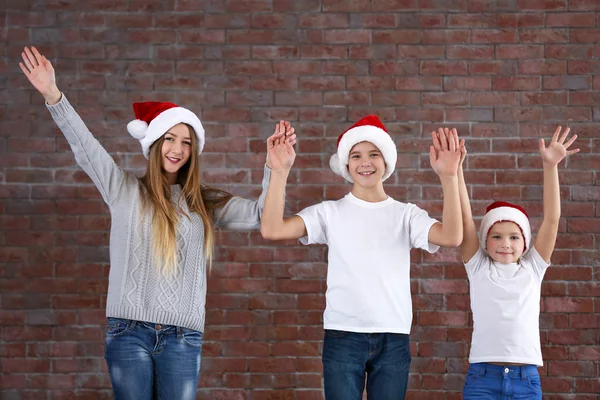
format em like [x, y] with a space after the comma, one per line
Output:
[444, 156]
[470, 243]
[242, 214]
[551, 156]
[281, 155]
[89, 153]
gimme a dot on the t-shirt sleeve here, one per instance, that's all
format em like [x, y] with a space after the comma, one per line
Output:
[419, 226]
[476, 263]
[534, 260]
[315, 221]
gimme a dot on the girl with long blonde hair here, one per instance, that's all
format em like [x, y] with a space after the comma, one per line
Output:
[161, 239]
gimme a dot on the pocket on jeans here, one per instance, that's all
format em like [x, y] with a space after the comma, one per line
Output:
[191, 337]
[334, 333]
[117, 326]
[471, 379]
[534, 381]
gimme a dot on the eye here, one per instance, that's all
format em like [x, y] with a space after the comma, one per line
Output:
[170, 139]
[515, 237]
[355, 157]
[187, 143]
[375, 155]
[495, 236]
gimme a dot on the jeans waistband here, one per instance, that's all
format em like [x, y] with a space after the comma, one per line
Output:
[512, 371]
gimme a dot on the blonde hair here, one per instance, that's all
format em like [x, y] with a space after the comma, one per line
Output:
[200, 199]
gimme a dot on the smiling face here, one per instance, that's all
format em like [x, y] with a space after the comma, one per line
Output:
[366, 165]
[505, 243]
[176, 150]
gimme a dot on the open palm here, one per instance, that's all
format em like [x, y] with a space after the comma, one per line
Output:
[280, 147]
[39, 71]
[445, 153]
[557, 149]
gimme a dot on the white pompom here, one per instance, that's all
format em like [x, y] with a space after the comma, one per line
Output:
[137, 128]
[334, 164]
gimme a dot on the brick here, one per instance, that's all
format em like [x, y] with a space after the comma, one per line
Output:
[371, 52]
[323, 52]
[396, 36]
[323, 20]
[377, 21]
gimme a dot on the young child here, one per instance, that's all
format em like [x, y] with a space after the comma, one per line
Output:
[161, 239]
[368, 313]
[505, 272]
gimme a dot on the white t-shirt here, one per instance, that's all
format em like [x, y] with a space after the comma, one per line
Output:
[505, 299]
[368, 276]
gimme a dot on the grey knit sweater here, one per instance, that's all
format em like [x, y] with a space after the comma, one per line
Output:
[137, 289]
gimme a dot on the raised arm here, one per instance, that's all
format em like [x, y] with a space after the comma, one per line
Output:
[470, 243]
[281, 157]
[89, 153]
[444, 157]
[244, 214]
[551, 157]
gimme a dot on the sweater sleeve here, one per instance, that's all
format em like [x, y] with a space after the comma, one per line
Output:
[243, 214]
[89, 153]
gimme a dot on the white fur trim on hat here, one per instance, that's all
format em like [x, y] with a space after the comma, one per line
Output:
[502, 214]
[365, 133]
[165, 121]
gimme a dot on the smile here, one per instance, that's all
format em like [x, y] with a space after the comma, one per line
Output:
[366, 173]
[173, 160]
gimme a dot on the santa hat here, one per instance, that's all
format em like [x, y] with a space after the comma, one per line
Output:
[501, 211]
[154, 119]
[368, 129]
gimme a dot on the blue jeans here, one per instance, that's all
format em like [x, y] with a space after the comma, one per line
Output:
[494, 382]
[349, 357]
[151, 361]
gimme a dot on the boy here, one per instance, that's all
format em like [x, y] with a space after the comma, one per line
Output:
[368, 314]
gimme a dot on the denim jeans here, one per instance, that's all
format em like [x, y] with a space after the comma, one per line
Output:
[151, 361]
[494, 382]
[349, 357]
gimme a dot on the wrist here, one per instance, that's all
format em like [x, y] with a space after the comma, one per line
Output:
[280, 173]
[548, 166]
[53, 96]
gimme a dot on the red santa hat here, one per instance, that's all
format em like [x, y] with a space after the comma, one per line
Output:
[501, 211]
[368, 129]
[154, 119]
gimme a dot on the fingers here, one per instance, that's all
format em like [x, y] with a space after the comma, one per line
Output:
[542, 145]
[25, 70]
[27, 61]
[38, 57]
[436, 141]
[443, 139]
[277, 132]
[556, 133]
[32, 58]
[572, 151]
[564, 136]
[570, 142]
[452, 141]
[456, 140]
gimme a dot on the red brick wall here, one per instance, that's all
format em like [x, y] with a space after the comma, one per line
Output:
[504, 72]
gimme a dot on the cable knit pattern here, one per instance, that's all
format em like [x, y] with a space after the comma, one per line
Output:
[137, 289]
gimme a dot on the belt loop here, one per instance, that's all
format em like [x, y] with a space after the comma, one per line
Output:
[132, 325]
[523, 372]
[179, 333]
[485, 367]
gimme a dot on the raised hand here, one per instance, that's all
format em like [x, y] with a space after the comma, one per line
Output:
[557, 149]
[445, 154]
[40, 73]
[280, 147]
